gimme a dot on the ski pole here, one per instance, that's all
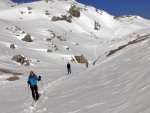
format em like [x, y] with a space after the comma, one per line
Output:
[28, 91]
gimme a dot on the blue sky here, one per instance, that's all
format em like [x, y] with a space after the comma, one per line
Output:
[117, 7]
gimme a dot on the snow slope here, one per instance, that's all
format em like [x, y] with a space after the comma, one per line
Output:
[115, 84]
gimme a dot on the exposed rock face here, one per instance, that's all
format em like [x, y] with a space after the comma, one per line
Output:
[48, 39]
[61, 38]
[67, 48]
[19, 29]
[47, 13]
[21, 12]
[139, 39]
[55, 18]
[49, 50]
[21, 59]
[48, 1]
[74, 11]
[27, 38]
[12, 46]
[126, 16]
[97, 26]
[13, 5]
[53, 35]
[29, 8]
[27, 63]
[56, 48]
[81, 59]
[9, 72]
[66, 18]
[14, 78]
[63, 17]
[23, 32]
[99, 11]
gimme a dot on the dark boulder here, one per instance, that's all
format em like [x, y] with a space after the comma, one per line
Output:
[27, 38]
[12, 46]
[21, 59]
[74, 11]
[81, 59]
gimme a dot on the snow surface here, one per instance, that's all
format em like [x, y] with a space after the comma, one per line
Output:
[115, 84]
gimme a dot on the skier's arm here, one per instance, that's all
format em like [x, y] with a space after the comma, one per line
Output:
[38, 78]
[28, 81]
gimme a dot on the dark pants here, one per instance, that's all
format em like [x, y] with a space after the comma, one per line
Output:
[69, 70]
[34, 90]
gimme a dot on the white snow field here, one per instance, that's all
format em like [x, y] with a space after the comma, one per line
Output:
[116, 81]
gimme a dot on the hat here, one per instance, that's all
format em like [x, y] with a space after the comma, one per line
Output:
[31, 72]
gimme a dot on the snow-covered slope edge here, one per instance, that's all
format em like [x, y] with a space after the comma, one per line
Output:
[118, 85]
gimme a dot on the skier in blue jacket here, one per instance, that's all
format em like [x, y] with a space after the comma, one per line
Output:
[32, 80]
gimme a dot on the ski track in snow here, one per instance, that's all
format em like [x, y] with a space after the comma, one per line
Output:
[95, 52]
[117, 32]
[49, 87]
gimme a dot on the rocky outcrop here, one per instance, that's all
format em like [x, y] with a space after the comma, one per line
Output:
[23, 32]
[56, 48]
[9, 72]
[27, 38]
[12, 46]
[29, 12]
[14, 78]
[97, 26]
[81, 59]
[56, 18]
[17, 28]
[21, 59]
[29, 8]
[126, 16]
[48, 39]
[13, 5]
[99, 11]
[55, 36]
[74, 11]
[61, 38]
[62, 18]
[139, 39]
[47, 13]
[22, 12]
[48, 1]
[49, 50]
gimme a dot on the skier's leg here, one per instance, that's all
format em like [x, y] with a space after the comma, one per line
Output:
[32, 90]
[68, 70]
[36, 92]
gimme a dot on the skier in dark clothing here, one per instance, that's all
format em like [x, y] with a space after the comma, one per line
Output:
[69, 68]
[32, 80]
[87, 64]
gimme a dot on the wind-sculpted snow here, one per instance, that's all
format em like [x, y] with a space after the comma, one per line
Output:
[115, 84]
[118, 85]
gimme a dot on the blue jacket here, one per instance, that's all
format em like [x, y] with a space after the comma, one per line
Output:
[33, 80]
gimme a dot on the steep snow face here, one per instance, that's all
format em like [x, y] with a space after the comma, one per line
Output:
[118, 84]
[49, 34]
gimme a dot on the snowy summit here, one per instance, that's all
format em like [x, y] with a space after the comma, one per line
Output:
[109, 58]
